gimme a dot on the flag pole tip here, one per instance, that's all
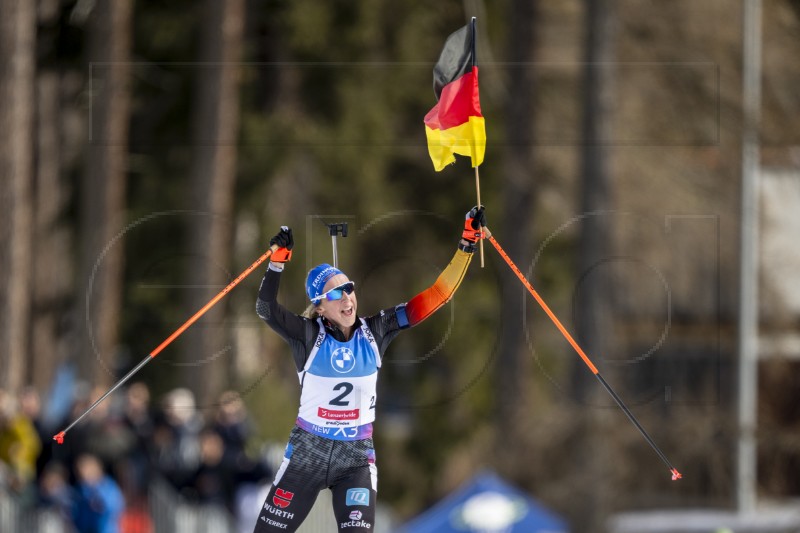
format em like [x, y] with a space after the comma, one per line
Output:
[59, 438]
[676, 475]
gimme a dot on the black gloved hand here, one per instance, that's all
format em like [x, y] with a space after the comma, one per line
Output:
[474, 222]
[285, 242]
[283, 238]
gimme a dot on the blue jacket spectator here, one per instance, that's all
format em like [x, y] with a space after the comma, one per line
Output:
[98, 501]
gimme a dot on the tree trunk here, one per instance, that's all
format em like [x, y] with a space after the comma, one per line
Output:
[51, 269]
[102, 206]
[593, 326]
[519, 193]
[593, 295]
[213, 178]
[17, 73]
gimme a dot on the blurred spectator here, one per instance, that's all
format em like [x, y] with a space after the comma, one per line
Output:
[30, 404]
[134, 469]
[78, 438]
[54, 491]
[19, 448]
[249, 476]
[98, 501]
[213, 481]
[176, 444]
[232, 423]
[137, 414]
[108, 436]
[234, 426]
[101, 433]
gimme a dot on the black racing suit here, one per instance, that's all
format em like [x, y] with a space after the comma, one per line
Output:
[312, 462]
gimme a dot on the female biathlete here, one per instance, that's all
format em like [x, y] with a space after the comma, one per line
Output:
[338, 355]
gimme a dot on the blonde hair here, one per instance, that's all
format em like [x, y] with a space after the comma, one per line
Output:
[310, 312]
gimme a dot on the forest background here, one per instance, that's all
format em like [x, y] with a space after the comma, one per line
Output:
[152, 148]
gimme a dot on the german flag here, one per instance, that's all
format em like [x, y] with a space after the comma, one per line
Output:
[455, 125]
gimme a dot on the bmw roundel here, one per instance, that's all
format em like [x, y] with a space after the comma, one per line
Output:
[343, 360]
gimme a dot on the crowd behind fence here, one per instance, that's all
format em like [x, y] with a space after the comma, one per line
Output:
[104, 476]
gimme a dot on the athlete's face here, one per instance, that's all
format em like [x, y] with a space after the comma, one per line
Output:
[341, 312]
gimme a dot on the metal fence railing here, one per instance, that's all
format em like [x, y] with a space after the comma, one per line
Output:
[171, 513]
[15, 517]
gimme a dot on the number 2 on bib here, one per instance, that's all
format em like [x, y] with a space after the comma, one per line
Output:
[347, 388]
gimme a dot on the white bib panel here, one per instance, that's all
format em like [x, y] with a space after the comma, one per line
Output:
[339, 386]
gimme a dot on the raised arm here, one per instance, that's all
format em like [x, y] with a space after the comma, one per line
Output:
[431, 299]
[294, 329]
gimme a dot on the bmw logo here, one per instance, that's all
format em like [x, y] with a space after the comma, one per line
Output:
[343, 360]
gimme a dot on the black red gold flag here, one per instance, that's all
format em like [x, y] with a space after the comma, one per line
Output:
[455, 125]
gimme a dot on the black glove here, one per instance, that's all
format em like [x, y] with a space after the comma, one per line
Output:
[285, 242]
[283, 238]
[474, 221]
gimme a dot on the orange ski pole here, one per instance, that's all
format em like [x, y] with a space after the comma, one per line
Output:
[59, 437]
[675, 474]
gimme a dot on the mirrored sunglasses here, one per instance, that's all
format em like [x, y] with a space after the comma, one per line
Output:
[336, 293]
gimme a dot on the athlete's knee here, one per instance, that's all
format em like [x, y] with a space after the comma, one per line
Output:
[358, 520]
[354, 508]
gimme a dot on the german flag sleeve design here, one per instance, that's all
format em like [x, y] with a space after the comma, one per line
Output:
[431, 299]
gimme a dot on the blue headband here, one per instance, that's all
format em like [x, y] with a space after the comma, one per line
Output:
[317, 278]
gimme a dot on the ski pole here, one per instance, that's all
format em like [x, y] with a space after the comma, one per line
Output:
[59, 437]
[675, 474]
